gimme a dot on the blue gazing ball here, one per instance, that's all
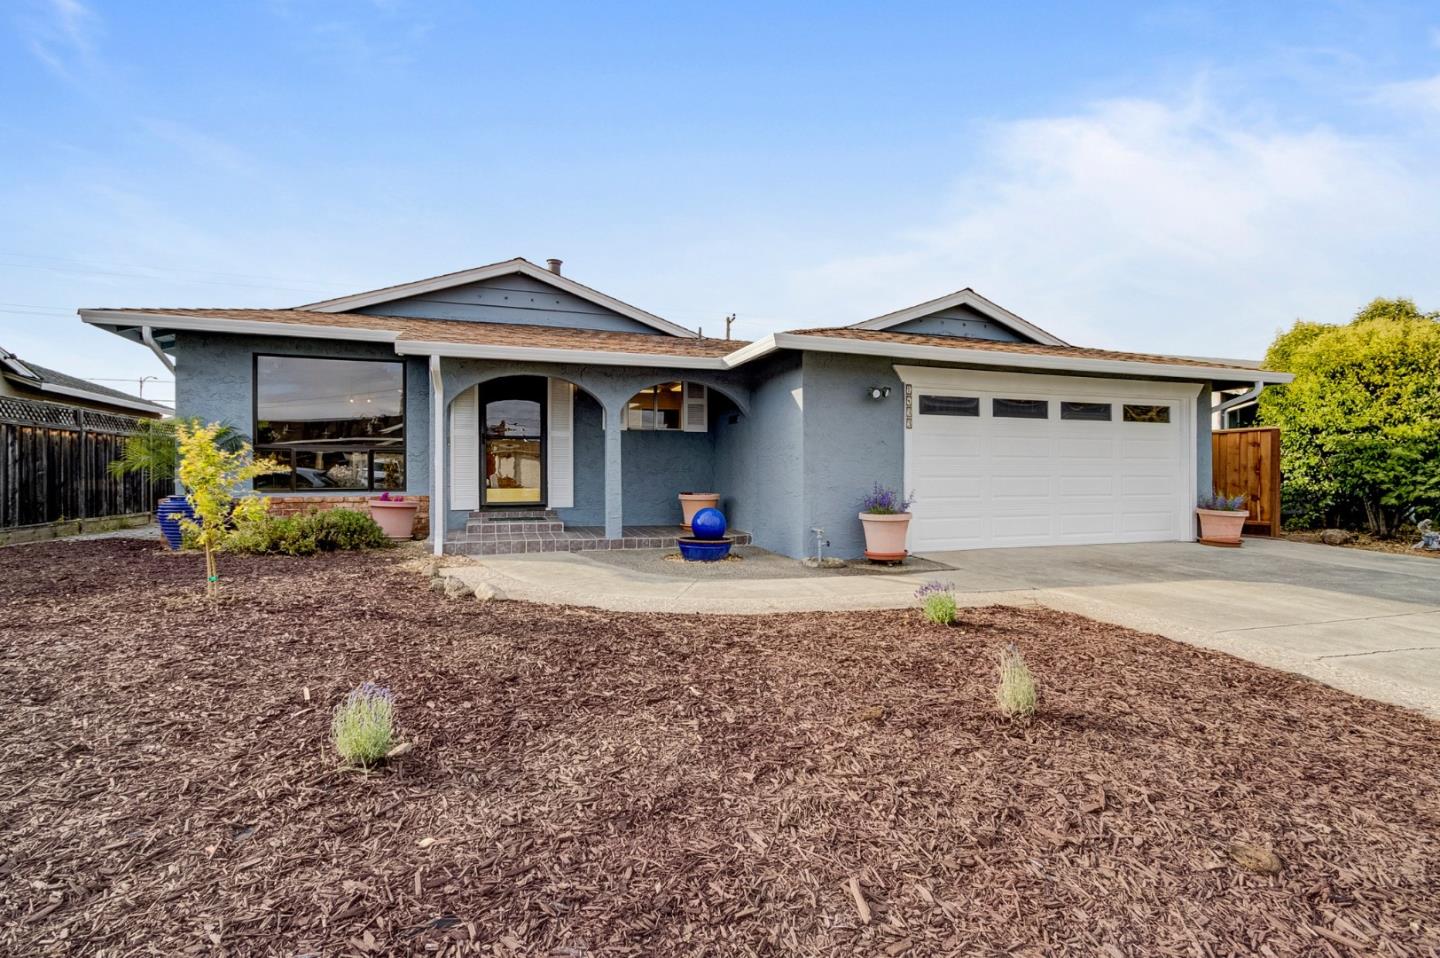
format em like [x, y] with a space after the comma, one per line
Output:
[708, 524]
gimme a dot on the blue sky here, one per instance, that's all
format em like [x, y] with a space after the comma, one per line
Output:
[1183, 178]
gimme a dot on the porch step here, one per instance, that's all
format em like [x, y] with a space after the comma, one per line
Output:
[493, 524]
[580, 539]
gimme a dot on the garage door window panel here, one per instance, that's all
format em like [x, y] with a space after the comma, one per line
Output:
[949, 405]
[1086, 411]
[1146, 414]
[1020, 408]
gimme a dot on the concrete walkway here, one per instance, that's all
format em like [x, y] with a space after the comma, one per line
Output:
[1365, 622]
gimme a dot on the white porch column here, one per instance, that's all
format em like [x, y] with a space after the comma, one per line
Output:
[437, 457]
[614, 519]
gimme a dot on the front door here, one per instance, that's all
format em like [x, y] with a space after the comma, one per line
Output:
[513, 447]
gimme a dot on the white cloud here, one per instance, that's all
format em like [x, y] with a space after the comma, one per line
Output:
[1163, 226]
[1412, 95]
[61, 33]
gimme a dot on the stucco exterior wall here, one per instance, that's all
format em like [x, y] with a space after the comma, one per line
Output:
[759, 459]
[1204, 456]
[214, 380]
[851, 442]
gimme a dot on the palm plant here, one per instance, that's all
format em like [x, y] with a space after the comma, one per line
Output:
[152, 448]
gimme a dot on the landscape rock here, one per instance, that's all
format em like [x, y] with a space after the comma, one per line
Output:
[1337, 537]
[486, 593]
[1253, 858]
[456, 589]
[437, 583]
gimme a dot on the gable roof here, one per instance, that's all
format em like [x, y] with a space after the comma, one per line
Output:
[43, 379]
[964, 297]
[518, 265]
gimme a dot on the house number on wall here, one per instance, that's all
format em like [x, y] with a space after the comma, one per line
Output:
[907, 405]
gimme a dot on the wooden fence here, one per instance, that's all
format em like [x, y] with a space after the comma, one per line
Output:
[54, 463]
[1248, 461]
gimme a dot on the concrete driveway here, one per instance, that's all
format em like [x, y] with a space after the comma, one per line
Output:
[1366, 622]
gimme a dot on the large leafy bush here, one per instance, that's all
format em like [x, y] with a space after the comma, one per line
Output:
[1360, 425]
[328, 531]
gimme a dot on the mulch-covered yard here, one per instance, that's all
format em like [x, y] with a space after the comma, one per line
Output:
[594, 783]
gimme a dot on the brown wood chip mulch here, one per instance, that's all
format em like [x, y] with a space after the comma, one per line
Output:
[593, 783]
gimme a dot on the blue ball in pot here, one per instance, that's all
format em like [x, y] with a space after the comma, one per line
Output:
[708, 524]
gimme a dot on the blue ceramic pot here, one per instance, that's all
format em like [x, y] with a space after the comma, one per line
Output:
[170, 511]
[708, 524]
[700, 550]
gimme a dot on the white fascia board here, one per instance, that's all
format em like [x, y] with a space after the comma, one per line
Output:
[532, 354]
[105, 317]
[137, 404]
[989, 357]
[761, 347]
[524, 267]
[964, 297]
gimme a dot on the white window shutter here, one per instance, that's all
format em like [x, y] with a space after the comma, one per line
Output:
[465, 450]
[560, 441]
[695, 413]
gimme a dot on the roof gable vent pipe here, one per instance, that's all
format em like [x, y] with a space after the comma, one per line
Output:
[554, 265]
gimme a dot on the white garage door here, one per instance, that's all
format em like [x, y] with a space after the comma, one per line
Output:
[1003, 459]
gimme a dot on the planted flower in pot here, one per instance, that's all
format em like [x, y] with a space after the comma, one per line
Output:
[394, 515]
[1222, 518]
[885, 516]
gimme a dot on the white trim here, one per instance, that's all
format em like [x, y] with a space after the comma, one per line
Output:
[206, 324]
[761, 347]
[991, 357]
[1055, 388]
[140, 405]
[537, 354]
[438, 515]
[524, 267]
[964, 297]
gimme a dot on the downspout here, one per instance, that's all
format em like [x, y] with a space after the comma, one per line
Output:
[148, 335]
[437, 457]
[1253, 393]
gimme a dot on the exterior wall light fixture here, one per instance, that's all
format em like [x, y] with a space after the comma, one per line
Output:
[878, 393]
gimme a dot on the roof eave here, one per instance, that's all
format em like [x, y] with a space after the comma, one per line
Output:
[117, 321]
[992, 357]
[536, 354]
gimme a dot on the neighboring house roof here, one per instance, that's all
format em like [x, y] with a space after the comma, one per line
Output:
[64, 386]
[451, 337]
[462, 338]
[520, 265]
[963, 297]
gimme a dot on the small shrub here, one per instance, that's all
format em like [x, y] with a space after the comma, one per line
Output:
[937, 600]
[1016, 695]
[364, 724]
[315, 531]
[883, 501]
[342, 529]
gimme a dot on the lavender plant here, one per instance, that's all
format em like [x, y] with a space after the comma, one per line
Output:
[1016, 696]
[364, 724]
[883, 501]
[1220, 501]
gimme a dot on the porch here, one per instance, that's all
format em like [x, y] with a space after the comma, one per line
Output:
[542, 458]
[507, 532]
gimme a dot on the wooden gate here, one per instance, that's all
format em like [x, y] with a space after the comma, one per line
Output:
[1248, 461]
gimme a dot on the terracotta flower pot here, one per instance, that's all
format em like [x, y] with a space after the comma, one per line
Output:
[693, 502]
[885, 535]
[396, 518]
[1222, 525]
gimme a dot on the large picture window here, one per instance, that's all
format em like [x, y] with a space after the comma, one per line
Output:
[333, 424]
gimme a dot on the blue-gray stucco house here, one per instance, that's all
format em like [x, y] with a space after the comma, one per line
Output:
[512, 391]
